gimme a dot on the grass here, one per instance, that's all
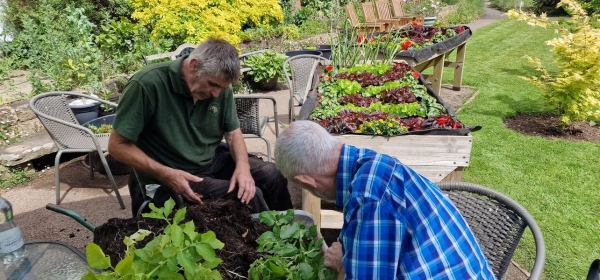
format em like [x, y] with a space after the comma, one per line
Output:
[556, 181]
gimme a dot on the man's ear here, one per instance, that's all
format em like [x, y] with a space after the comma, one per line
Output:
[306, 180]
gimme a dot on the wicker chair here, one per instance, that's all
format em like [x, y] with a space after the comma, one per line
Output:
[69, 136]
[498, 223]
[252, 123]
[299, 71]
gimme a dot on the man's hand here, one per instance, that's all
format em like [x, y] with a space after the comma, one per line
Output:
[179, 181]
[333, 257]
[245, 183]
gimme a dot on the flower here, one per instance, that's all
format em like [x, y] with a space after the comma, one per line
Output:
[406, 44]
[416, 74]
[329, 68]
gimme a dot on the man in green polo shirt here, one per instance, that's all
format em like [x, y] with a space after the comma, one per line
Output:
[169, 125]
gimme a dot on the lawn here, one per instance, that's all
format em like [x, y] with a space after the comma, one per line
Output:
[556, 181]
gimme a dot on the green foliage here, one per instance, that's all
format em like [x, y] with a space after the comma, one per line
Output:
[466, 11]
[180, 249]
[9, 132]
[575, 90]
[505, 5]
[266, 65]
[15, 175]
[104, 128]
[314, 27]
[292, 250]
[287, 7]
[194, 21]
[302, 15]
[97, 11]
[323, 8]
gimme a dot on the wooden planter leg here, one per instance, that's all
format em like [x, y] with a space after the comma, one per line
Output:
[312, 205]
[459, 66]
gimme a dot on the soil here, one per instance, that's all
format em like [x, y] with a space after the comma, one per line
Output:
[548, 126]
[230, 220]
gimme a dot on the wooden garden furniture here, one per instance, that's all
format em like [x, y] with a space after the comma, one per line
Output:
[363, 28]
[369, 15]
[399, 12]
[384, 13]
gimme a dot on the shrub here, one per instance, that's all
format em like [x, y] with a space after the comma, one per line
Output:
[196, 20]
[467, 11]
[575, 89]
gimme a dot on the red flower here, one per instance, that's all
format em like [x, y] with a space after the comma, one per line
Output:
[441, 121]
[359, 40]
[416, 75]
[329, 68]
[415, 24]
[406, 44]
[329, 79]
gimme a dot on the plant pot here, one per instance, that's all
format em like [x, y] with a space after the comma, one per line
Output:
[268, 84]
[85, 112]
[301, 52]
[326, 50]
[429, 21]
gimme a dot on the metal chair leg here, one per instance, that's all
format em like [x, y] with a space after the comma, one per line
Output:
[91, 165]
[111, 179]
[57, 175]
[268, 148]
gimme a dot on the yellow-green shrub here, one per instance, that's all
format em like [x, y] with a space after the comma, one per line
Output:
[575, 89]
[192, 21]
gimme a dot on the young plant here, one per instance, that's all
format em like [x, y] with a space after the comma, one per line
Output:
[104, 128]
[575, 89]
[292, 250]
[178, 252]
[266, 65]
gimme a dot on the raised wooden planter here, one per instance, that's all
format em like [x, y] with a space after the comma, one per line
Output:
[436, 154]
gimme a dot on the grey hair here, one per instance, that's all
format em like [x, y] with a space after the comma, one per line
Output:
[304, 148]
[218, 58]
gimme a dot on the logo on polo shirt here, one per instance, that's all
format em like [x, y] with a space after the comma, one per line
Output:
[213, 108]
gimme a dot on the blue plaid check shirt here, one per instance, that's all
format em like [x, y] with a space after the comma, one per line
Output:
[399, 225]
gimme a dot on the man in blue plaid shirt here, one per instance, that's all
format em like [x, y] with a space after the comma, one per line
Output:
[397, 224]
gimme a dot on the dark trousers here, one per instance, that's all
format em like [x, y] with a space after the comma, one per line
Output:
[271, 186]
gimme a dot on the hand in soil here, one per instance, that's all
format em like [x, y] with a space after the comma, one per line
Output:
[243, 179]
[179, 181]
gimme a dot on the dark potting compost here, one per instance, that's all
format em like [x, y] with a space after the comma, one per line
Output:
[230, 220]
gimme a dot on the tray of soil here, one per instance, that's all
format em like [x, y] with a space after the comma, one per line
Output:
[231, 222]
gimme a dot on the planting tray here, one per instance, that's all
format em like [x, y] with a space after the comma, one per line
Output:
[437, 154]
[424, 54]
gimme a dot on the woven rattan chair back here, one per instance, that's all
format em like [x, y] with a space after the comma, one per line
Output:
[299, 71]
[252, 124]
[498, 223]
[54, 113]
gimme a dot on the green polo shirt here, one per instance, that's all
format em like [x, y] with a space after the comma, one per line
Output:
[158, 114]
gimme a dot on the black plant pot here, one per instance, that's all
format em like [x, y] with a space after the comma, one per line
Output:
[301, 52]
[326, 50]
[268, 84]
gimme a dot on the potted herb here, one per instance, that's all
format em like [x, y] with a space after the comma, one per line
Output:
[267, 68]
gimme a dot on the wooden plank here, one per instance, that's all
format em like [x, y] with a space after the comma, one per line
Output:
[415, 150]
[332, 219]
[312, 205]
